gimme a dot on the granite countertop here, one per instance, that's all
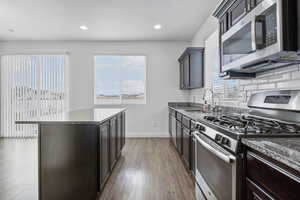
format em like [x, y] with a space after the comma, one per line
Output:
[86, 116]
[284, 150]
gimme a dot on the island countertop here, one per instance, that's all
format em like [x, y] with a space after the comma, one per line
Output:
[82, 116]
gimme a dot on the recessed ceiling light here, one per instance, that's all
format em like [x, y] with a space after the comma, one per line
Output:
[157, 27]
[83, 27]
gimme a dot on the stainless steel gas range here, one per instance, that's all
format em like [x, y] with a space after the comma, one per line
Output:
[218, 152]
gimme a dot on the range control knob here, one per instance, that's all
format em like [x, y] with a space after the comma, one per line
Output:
[225, 141]
[218, 138]
[200, 127]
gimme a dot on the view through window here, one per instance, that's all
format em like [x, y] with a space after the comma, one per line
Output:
[120, 79]
[32, 88]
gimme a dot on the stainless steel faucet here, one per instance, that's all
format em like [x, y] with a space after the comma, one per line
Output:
[213, 103]
[212, 95]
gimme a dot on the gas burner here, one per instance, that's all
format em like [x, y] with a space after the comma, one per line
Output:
[253, 125]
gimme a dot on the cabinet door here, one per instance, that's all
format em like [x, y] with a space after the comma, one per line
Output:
[281, 183]
[196, 69]
[254, 192]
[181, 76]
[186, 147]
[113, 142]
[123, 130]
[186, 71]
[237, 11]
[119, 134]
[224, 24]
[104, 154]
[179, 136]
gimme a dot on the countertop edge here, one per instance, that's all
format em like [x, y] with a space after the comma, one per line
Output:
[272, 154]
[72, 121]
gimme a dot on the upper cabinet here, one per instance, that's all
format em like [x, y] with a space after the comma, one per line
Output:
[191, 64]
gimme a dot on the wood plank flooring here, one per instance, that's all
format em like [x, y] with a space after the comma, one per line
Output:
[150, 169]
[18, 169]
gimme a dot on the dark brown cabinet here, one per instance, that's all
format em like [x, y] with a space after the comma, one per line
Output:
[254, 192]
[183, 140]
[191, 65]
[232, 11]
[237, 11]
[119, 134]
[113, 142]
[186, 147]
[123, 131]
[266, 180]
[179, 136]
[186, 71]
[104, 154]
[68, 161]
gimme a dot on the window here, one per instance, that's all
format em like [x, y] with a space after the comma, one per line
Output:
[120, 79]
[32, 88]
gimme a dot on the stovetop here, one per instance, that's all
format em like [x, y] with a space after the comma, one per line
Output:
[248, 125]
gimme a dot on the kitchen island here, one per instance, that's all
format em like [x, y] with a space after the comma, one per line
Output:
[77, 152]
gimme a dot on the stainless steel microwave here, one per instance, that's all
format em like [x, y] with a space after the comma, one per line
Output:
[258, 35]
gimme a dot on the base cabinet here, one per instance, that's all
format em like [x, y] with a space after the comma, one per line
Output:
[254, 192]
[186, 151]
[104, 169]
[266, 180]
[119, 135]
[123, 131]
[181, 137]
[111, 142]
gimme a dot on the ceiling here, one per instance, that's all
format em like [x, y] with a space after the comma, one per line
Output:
[106, 19]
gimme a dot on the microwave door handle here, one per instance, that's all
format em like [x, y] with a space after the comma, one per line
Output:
[226, 158]
[260, 32]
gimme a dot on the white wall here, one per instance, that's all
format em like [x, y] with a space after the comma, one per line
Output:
[209, 27]
[162, 77]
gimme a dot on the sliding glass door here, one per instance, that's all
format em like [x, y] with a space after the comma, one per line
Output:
[32, 87]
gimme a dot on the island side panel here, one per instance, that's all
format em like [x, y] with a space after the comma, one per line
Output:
[67, 161]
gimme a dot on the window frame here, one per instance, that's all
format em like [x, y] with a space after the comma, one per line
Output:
[121, 102]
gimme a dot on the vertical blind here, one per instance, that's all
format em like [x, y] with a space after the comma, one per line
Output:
[32, 88]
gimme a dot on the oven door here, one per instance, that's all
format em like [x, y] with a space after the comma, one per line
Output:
[253, 41]
[215, 169]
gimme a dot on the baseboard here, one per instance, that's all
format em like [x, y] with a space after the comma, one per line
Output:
[147, 135]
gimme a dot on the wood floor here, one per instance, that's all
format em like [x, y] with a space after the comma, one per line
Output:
[18, 169]
[149, 169]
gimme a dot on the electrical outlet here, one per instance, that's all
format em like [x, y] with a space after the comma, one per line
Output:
[155, 124]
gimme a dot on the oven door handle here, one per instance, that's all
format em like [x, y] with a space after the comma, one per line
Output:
[226, 158]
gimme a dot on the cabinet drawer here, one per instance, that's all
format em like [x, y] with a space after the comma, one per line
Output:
[186, 122]
[254, 192]
[277, 181]
[178, 116]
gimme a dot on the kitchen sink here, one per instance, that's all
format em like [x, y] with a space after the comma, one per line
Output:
[193, 110]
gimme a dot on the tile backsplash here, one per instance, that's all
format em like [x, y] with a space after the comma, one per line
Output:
[279, 79]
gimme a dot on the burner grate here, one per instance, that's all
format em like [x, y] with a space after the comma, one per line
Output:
[253, 125]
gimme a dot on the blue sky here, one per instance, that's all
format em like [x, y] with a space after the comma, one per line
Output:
[115, 73]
